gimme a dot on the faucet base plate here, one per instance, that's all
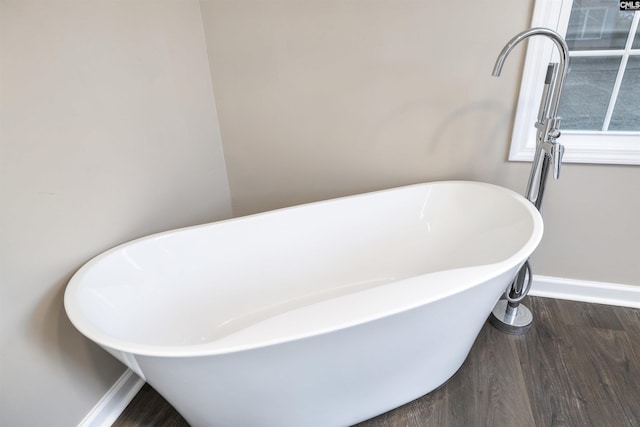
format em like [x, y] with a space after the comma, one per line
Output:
[511, 320]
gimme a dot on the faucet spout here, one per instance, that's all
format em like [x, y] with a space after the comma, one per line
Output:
[561, 72]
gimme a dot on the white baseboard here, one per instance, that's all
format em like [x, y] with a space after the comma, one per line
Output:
[585, 291]
[113, 403]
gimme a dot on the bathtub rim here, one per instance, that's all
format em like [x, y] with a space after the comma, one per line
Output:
[97, 335]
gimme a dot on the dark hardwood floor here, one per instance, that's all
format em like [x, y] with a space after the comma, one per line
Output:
[579, 365]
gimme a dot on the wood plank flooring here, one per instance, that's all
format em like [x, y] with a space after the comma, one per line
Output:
[579, 365]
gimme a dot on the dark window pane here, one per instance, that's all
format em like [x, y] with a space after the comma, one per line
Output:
[587, 91]
[626, 114]
[598, 24]
[636, 40]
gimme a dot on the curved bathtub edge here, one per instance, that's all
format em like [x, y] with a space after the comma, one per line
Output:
[76, 316]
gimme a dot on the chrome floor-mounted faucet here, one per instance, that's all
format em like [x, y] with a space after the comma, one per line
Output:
[509, 315]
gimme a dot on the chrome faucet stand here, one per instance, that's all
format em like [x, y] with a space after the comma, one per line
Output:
[509, 314]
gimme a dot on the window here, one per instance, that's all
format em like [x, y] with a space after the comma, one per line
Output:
[600, 104]
[587, 23]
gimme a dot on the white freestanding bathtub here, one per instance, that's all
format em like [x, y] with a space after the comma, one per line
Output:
[323, 314]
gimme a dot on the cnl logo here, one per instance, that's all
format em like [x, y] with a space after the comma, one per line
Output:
[629, 5]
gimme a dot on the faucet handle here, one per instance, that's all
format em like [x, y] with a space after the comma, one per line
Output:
[557, 151]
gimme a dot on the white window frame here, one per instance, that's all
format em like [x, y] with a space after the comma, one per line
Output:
[610, 147]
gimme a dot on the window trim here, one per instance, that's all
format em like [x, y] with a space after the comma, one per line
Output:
[611, 147]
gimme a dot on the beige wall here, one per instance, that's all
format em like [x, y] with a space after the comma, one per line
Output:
[108, 132]
[326, 98]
